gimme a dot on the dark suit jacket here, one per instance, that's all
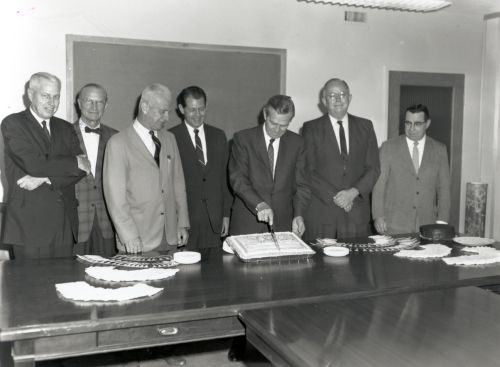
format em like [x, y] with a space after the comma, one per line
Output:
[252, 182]
[408, 200]
[33, 217]
[330, 174]
[207, 188]
[89, 191]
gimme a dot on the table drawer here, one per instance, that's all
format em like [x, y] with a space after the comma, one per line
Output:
[162, 334]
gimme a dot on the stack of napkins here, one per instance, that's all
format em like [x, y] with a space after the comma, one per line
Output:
[82, 291]
[426, 252]
[484, 255]
[111, 274]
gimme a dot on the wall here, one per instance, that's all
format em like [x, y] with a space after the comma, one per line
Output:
[319, 43]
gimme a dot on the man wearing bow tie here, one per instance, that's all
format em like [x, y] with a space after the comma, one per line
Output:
[95, 233]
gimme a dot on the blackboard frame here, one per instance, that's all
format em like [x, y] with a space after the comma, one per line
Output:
[262, 83]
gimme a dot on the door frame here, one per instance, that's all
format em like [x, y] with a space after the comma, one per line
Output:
[456, 83]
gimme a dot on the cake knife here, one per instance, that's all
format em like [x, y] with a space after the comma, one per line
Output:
[273, 235]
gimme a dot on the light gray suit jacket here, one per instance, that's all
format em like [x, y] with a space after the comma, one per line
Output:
[408, 200]
[144, 200]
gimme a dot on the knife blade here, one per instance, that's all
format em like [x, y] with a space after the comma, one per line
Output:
[273, 235]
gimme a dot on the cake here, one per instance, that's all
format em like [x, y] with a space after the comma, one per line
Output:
[262, 246]
[437, 233]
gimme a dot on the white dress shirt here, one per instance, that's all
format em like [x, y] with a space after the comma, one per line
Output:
[420, 147]
[91, 141]
[336, 129]
[276, 146]
[201, 134]
[145, 136]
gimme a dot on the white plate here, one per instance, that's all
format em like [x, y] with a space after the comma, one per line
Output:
[474, 241]
[336, 251]
[187, 257]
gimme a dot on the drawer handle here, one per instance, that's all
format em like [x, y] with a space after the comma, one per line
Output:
[166, 331]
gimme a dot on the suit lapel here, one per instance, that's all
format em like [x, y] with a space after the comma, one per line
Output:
[36, 132]
[261, 149]
[329, 134]
[428, 154]
[100, 152]
[210, 147]
[138, 144]
[76, 125]
[282, 156]
[405, 154]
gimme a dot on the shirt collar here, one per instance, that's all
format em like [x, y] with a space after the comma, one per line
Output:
[191, 129]
[421, 142]
[83, 124]
[266, 136]
[38, 118]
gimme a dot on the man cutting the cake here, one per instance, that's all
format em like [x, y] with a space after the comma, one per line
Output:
[268, 174]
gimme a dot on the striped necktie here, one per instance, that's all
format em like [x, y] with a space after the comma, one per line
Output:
[199, 148]
[270, 154]
[157, 143]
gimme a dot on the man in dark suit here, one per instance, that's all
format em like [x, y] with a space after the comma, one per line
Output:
[204, 154]
[43, 161]
[343, 157]
[414, 184]
[95, 232]
[268, 173]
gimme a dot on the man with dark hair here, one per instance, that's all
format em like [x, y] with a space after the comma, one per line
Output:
[43, 161]
[343, 158]
[143, 180]
[269, 175]
[414, 184]
[204, 154]
[95, 232]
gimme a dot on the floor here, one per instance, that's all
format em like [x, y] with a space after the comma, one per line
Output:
[201, 354]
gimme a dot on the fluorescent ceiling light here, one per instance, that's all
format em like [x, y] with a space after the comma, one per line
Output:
[407, 5]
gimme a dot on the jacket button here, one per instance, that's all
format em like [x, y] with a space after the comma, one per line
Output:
[204, 179]
[95, 187]
[417, 192]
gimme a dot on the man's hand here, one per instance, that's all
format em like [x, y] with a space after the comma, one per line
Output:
[225, 227]
[345, 198]
[298, 226]
[133, 246]
[31, 183]
[265, 213]
[83, 163]
[380, 225]
[182, 236]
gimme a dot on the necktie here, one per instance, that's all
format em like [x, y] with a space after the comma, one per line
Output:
[343, 145]
[157, 147]
[270, 154]
[45, 129]
[199, 148]
[95, 131]
[414, 156]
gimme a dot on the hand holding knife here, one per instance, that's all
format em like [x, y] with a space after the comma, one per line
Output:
[273, 235]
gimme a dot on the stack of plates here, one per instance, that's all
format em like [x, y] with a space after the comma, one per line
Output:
[474, 241]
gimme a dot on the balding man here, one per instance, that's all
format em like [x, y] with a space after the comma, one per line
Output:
[143, 179]
[43, 160]
[95, 232]
[343, 158]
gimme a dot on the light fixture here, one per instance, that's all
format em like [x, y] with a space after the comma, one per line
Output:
[406, 5]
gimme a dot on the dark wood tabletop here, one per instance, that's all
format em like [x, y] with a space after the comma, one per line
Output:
[213, 291]
[447, 328]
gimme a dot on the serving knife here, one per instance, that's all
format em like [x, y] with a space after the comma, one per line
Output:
[273, 235]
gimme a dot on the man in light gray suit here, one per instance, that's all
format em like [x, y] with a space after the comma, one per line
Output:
[144, 183]
[413, 188]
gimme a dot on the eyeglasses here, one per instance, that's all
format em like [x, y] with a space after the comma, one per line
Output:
[91, 102]
[337, 96]
[416, 124]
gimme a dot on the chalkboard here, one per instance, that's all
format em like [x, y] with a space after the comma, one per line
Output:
[238, 80]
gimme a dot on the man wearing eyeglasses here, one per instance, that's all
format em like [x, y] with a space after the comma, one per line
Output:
[414, 184]
[343, 158]
[95, 232]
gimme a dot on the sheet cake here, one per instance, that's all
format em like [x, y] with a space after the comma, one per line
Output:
[259, 246]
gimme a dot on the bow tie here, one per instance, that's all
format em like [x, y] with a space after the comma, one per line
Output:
[96, 130]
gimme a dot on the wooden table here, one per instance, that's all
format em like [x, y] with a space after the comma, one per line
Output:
[445, 328]
[201, 302]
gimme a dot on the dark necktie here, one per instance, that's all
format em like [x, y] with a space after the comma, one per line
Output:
[45, 129]
[270, 153]
[199, 148]
[343, 145]
[95, 131]
[157, 147]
